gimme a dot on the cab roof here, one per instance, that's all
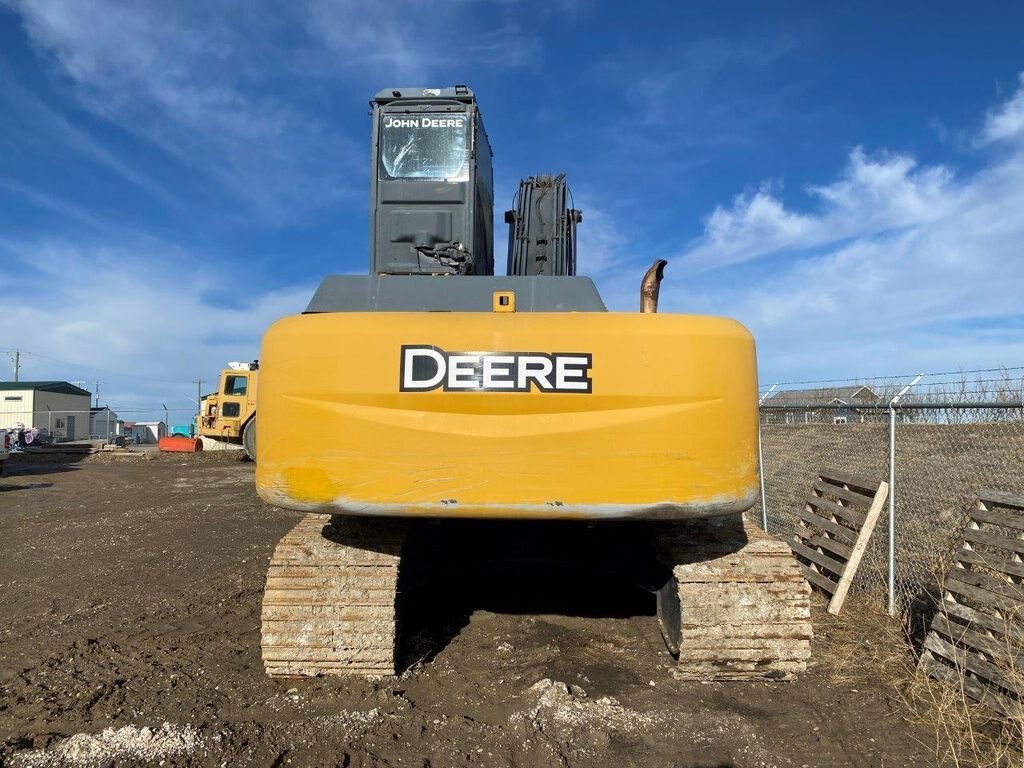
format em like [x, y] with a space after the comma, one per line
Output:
[452, 92]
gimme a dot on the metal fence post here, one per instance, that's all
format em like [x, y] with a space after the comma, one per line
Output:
[892, 509]
[892, 494]
[760, 460]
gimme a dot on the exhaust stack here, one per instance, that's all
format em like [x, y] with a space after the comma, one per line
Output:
[650, 286]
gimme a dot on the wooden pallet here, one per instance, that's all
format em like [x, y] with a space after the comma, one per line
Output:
[833, 531]
[976, 640]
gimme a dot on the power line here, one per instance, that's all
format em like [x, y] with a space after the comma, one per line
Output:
[972, 382]
[96, 369]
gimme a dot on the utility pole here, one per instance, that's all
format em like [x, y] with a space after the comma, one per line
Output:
[98, 393]
[199, 394]
[17, 363]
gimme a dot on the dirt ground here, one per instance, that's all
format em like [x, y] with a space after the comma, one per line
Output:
[129, 634]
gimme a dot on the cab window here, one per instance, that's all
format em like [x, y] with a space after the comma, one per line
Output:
[235, 385]
[425, 146]
[231, 410]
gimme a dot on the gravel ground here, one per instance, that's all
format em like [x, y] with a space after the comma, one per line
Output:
[129, 593]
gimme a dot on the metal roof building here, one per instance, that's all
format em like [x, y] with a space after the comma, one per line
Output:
[57, 406]
[797, 406]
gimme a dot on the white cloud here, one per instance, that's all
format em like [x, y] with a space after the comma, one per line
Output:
[1006, 122]
[410, 41]
[874, 194]
[64, 208]
[36, 123]
[132, 317]
[203, 83]
[185, 82]
[894, 265]
[604, 252]
[706, 95]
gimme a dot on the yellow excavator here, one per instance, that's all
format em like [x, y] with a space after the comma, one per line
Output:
[431, 397]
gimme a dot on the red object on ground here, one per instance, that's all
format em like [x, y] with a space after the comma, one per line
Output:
[180, 444]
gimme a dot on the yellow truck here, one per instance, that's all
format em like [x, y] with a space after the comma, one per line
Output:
[229, 414]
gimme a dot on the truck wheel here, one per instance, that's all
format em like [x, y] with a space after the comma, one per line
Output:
[249, 439]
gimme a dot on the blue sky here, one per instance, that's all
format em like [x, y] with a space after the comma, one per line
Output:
[848, 181]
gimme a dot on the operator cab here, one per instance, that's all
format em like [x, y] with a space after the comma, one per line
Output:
[431, 190]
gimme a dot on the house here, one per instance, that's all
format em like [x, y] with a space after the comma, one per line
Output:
[145, 431]
[797, 406]
[59, 407]
[104, 424]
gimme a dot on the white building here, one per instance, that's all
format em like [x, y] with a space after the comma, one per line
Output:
[104, 424]
[147, 431]
[57, 406]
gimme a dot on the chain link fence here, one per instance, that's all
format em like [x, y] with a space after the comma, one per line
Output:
[945, 453]
[65, 424]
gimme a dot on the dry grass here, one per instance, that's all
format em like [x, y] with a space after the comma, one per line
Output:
[965, 733]
[864, 639]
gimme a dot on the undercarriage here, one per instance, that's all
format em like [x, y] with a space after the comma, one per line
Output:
[731, 602]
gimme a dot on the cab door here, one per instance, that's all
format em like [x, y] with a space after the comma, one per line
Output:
[234, 399]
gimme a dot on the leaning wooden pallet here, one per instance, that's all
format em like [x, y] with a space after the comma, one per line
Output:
[976, 640]
[834, 528]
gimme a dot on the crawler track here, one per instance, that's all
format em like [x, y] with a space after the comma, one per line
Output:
[329, 604]
[736, 607]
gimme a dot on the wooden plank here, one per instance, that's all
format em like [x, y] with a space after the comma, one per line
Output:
[1008, 603]
[995, 624]
[817, 557]
[831, 545]
[996, 584]
[841, 493]
[996, 563]
[849, 514]
[860, 484]
[1005, 651]
[994, 540]
[859, 548]
[971, 662]
[1002, 498]
[841, 531]
[983, 596]
[999, 517]
[939, 670]
[817, 578]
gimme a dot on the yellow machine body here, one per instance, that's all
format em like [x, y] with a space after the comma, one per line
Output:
[659, 422]
[223, 414]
